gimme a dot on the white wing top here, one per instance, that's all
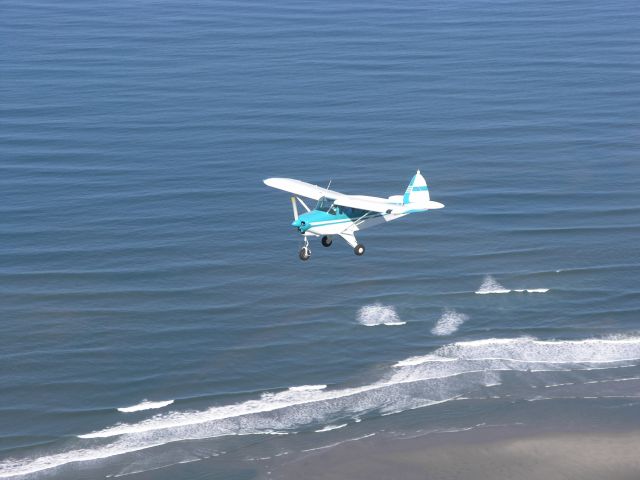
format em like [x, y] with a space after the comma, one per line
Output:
[361, 202]
[303, 189]
[392, 204]
[385, 205]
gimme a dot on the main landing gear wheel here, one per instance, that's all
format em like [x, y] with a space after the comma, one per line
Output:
[359, 249]
[326, 241]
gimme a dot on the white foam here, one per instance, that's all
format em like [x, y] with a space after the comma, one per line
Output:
[219, 420]
[532, 352]
[408, 362]
[491, 285]
[378, 314]
[450, 372]
[15, 467]
[307, 388]
[449, 322]
[328, 428]
[609, 380]
[145, 405]
[338, 443]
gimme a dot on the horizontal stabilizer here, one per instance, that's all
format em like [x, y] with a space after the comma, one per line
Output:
[416, 207]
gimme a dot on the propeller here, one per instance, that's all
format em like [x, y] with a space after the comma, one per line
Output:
[295, 208]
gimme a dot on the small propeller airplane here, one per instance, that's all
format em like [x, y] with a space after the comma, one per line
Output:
[343, 215]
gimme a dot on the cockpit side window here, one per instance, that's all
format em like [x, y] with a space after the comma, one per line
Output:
[353, 212]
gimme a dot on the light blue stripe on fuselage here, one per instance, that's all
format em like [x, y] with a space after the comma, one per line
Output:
[318, 218]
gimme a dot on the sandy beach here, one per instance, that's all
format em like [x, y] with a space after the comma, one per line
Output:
[484, 454]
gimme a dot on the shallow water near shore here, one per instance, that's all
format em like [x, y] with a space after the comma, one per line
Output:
[155, 319]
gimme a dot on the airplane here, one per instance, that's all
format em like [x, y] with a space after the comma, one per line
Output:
[343, 215]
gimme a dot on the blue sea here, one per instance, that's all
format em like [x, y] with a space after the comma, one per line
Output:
[155, 320]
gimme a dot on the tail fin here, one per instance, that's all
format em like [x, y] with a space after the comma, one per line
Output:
[417, 191]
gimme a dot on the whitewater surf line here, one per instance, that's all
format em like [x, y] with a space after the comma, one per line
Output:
[444, 374]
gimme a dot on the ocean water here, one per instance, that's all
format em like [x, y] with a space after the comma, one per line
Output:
[155, 321]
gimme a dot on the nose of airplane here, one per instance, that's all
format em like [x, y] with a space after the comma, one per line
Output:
[299, 224]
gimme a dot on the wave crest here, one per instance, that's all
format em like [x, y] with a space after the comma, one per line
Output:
[378, 314]
[449, 322]
[145, 405]
[491, 285]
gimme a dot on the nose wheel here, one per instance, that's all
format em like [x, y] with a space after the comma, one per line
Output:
[305, 251]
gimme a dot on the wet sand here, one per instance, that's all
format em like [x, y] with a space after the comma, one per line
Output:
[482, 454]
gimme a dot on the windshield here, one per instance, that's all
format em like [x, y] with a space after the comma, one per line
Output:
[325, 205]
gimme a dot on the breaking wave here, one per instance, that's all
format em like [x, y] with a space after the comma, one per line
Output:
[527, 353]
[449, 322]
[449, 372]
[491, 285]
[307, 388]
[145, 405]
[378, 314]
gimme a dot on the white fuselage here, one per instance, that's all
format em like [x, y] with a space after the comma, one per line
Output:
[346, 226]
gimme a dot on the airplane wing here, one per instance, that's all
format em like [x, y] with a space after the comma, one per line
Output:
[384, 205]
[303, 189]
[361, 202]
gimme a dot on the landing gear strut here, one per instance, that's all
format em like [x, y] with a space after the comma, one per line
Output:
[326, 241]
[305, 251]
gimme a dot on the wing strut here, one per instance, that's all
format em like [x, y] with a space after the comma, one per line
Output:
[350, 238]
[303, 204]
[358, 221]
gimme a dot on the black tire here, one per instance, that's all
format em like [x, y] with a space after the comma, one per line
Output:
[304, 254]
[326, 241]
[359, 249]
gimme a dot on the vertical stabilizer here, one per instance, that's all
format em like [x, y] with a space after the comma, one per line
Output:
[417, 191]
